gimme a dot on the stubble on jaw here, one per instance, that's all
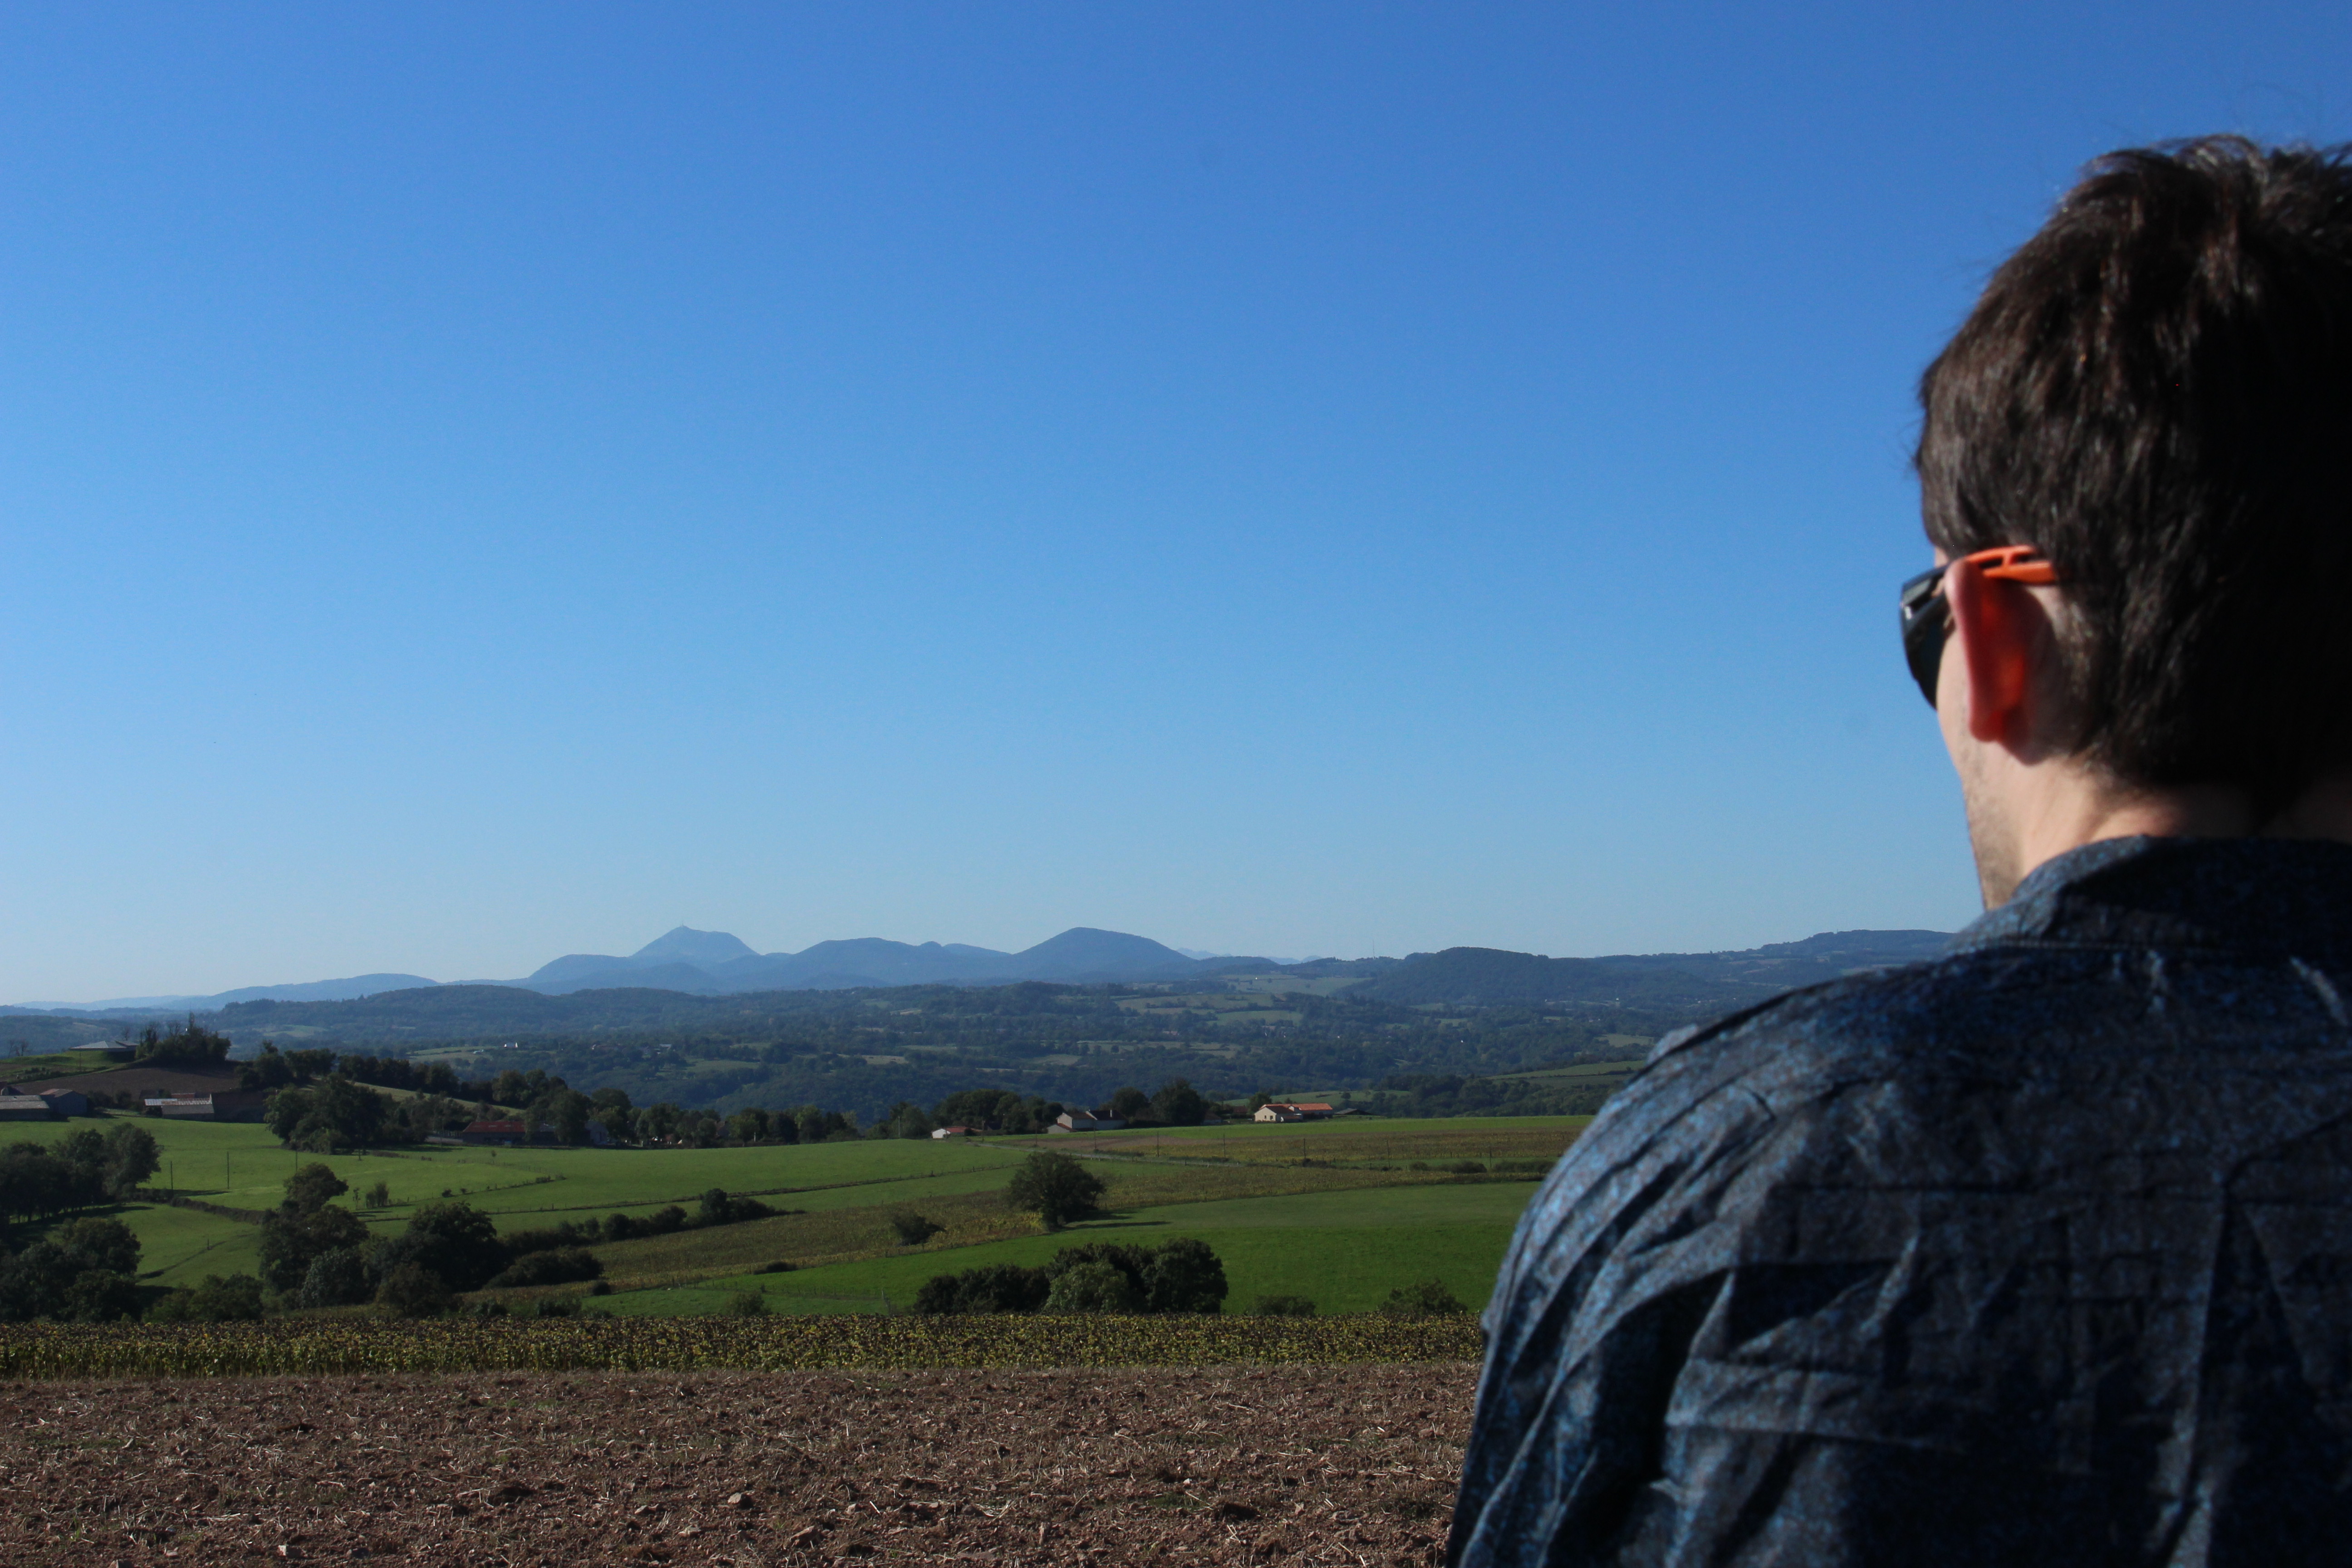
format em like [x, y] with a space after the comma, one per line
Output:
[1992, 832]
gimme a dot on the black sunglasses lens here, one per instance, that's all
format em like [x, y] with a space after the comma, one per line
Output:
[1926, 622]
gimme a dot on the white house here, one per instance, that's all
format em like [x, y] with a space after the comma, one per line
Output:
[1085, 1121]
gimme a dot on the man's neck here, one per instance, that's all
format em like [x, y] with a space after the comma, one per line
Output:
[2059, 804]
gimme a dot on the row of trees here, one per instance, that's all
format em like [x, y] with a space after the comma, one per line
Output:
[315, 1253]
[1178, 1104]
[86, 1167]
[183, 1045]
[1181, 1275]
[87, 1269]
[84, 1271]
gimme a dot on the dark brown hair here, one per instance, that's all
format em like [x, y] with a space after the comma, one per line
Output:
[2157, 391]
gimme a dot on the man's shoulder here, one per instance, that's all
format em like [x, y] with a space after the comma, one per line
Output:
[1903, 1021]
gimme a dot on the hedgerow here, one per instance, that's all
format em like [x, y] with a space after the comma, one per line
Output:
[755, 1344]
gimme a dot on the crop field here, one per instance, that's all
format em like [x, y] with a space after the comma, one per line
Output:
[353, 1346]
[1360, 1141]
[242, 1166]
[1351, 1464]
[1583, 1072]
[972, 1214]
[1343, 1249]
[40, 1066]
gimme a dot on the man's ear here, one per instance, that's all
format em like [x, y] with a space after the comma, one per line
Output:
[2000, 634]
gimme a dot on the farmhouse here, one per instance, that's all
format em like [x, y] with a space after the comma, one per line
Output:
[218, 1105]
[507, 1133]
[951, 1132]
[66, 1101]
[1083, 1122]
[23, 1107]
[1289, 1111]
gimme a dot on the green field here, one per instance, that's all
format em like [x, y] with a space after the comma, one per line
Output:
[1333, 1211]
[1344, 1250]
[32, 1068]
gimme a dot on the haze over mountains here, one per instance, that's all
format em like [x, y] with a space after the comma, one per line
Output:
[702, 963]
[715, 963]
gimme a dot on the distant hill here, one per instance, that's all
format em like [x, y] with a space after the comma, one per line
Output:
[320, 990]
[1468, 975]
[1083, 954]
[307, 991]
[686, 964]
[684, 945]
[455, 1011]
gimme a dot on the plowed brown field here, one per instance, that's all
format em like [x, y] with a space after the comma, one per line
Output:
[1347, 1465]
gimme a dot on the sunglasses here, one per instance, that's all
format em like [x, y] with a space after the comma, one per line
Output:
[1928, 616]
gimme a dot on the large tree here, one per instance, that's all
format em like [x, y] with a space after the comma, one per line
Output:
[292, 1239]
[1055, 1187]
[332, 1116]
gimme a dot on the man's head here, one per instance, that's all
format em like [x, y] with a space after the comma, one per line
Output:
[2155, 391]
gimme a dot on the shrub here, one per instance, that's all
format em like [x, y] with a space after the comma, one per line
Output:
[1183, 1276]
[217, 1301]
[777, 1266]
[1093, 1287]
[522, 1242]
[601, 1287]
[630, 1227]
[378, 1196]
[1429, 1299]
[310, 1188]
[413, 1290]
[913, 1228]
[718, 1208]
[1285, 1306]
[558, 1267]
[557, 1306]
[746, 1304]
[45, 1280]
[994, 1288]
[101, 1296]
[294, 1238]
[336, 1279]
[1178, 1275]
[456, 1241]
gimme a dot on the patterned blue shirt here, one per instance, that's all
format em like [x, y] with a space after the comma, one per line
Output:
[2040, 1252]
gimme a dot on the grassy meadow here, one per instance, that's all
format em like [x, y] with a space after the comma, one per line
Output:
[1344, 1249]
[1333, 1211]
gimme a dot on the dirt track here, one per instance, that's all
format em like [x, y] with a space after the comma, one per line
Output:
[1347, 1465]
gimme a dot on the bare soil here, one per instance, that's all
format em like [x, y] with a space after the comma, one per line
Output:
[208, 1078]
[1350, 1465]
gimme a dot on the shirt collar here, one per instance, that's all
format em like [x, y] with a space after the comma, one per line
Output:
[2256, 895]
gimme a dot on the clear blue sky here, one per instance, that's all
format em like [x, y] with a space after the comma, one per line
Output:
[484, 481]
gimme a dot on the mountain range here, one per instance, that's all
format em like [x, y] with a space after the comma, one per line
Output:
[710, 962]
[716, 964]
[686, 964]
